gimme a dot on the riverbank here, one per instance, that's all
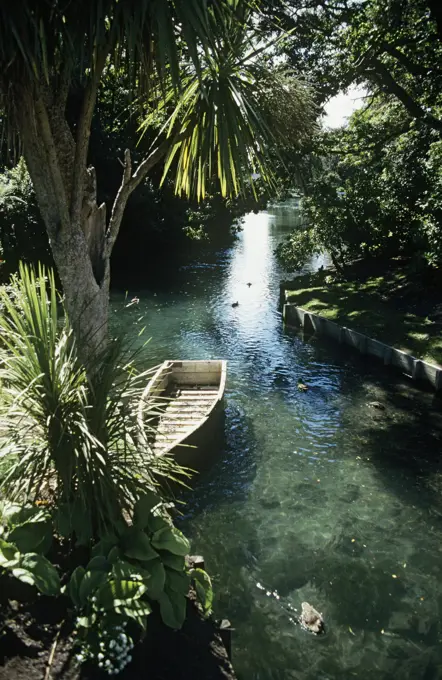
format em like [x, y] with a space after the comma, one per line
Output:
[37, 642]
[394, 305]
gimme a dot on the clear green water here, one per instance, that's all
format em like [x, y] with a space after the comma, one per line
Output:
[315, 495]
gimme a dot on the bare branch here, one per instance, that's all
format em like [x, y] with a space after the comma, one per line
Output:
[83, 134]
[130, 182]
[411, 66]
[63, 86]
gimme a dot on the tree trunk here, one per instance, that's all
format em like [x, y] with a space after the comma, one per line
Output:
[78, 247]
[87, 300]
[80, 236]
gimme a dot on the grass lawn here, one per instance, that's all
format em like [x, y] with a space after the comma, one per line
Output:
[397, 307]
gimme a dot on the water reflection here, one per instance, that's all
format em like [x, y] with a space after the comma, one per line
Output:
[313, 494]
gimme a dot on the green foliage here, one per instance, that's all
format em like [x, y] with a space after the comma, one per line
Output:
[71, 437]
[297, 249]
[81, 445]
[377, 193]
[200, 57]
[37, 571]
[203, 586]
[22, 233]
[374, 188]
[26, 537]
[133, 570]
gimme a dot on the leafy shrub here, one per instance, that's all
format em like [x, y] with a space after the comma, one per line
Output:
[131, 570]
[80, 468]
[22, 232]
[26, 537]
[70, 438]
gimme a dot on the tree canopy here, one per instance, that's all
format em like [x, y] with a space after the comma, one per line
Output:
[193, 66]
[375, 186]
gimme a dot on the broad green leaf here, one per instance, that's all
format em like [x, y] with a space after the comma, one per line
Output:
[8, 553]
[176, 562]
[86, 621]
[15, 515]
[143, 508]
[74, 585]
[118, 593]
[37, 570]
[156, 523]
[171, 539]
[173, 608]
[100, 563]
[104, 546]
[136, 545]
[10, 513]
[203, 587]
[90, 582]
[32, 537]
[63, 523]
[135, 609]
[125, 571]
[155, 576]
[179, 582]
[114, 555]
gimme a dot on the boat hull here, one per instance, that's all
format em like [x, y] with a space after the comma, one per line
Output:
[189, 399]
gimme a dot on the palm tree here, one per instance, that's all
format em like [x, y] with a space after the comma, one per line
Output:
[193, 58]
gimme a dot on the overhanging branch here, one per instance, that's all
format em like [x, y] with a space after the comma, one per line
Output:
[385, 80]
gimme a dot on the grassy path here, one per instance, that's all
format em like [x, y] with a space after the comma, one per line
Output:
[395, 308]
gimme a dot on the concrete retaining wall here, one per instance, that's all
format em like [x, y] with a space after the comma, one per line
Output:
[407, 364]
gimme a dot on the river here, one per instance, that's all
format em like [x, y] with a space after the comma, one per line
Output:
[313, 496]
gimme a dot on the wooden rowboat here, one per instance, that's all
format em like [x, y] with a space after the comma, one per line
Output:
[184, 401]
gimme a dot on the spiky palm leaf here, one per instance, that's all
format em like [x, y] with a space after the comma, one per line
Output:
[63, 431]
[203, 50]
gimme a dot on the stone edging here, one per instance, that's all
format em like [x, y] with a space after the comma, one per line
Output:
[406, 363]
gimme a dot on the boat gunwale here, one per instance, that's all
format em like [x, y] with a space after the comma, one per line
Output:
[168, 366]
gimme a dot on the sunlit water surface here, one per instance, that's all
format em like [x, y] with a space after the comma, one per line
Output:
[314, 496]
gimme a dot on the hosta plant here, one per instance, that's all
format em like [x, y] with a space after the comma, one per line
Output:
[138, 568]
[25, 539]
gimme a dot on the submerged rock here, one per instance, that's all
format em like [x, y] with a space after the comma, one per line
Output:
[377, 404]
[310, 619]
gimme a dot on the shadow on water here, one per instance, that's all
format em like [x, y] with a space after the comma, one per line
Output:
[214, 487]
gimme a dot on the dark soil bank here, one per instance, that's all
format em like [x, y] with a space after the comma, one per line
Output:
[36, 644]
